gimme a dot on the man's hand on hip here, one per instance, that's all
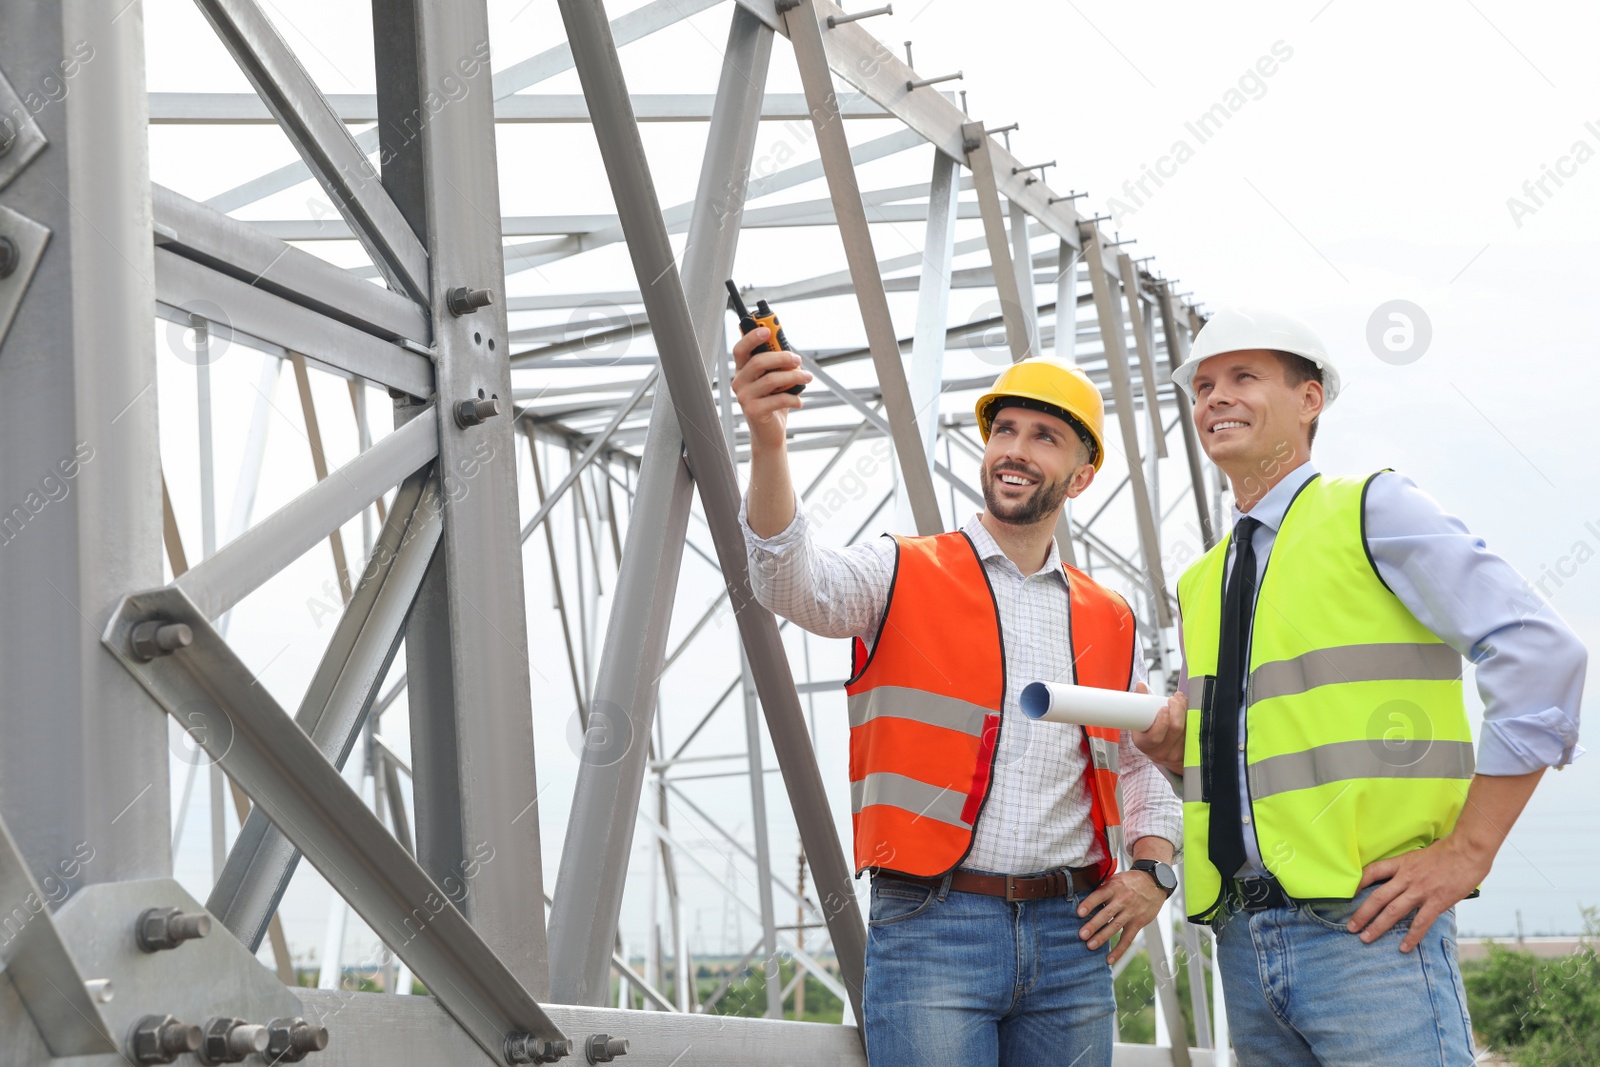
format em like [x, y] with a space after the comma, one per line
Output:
[1163, 742]
[1127, 902]
[1429, 881]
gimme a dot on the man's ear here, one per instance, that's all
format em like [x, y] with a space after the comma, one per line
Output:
[1081, 479]
[1312, 399]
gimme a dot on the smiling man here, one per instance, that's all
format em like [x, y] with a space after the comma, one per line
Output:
[1334, 813]
[992, 839]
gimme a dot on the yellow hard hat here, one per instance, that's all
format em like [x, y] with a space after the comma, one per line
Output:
[1057, 387]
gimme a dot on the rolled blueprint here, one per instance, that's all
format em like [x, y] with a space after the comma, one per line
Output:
[1088, 706]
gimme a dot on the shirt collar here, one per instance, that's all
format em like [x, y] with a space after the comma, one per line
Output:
[1270, 509]
[987, 549]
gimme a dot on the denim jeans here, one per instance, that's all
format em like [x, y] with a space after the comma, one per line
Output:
[965, 980]
[1301, 989]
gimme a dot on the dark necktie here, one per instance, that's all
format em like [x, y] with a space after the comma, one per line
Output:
[1238, 604]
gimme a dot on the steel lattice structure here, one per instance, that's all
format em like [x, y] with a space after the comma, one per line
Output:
[99, 651]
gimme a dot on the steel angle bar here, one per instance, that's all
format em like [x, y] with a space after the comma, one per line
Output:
[362, 108]
[184, 283]
[685, 370]
[933, 311]
[327, 148]
[219, 701]
[862, 60]
[1012, 312]
[467, 659]
[1165, 976]
[1111, 336]
[677, 217]
[588, 897]
[1145, 347]
[1176, 333]
[1022, 263]
[240, 249]
[831, 983]
[41, 967]
[597, 443]
[547, 64]
[805, 33]
[239, 567]
[338, 700]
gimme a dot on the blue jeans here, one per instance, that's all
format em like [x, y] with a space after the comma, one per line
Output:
[1301, 989]
[965, 980]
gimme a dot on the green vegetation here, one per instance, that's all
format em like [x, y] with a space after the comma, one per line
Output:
[1539, 1012]
[746, 992]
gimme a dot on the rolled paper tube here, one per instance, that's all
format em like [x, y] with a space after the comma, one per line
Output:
[1087, 706]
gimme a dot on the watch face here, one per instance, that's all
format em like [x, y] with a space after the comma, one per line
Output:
[1162, 873]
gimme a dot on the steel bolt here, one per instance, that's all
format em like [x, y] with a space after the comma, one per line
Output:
[157, 638]
[291, 1039]
[9, 256]
[99, 990]
[162, 1039]
[525, 1048]
[161, 928]
[464, 301]
[603, 1048]
[229, 1040]
[474, 412]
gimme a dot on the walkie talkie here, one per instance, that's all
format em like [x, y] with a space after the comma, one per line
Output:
[764, 316]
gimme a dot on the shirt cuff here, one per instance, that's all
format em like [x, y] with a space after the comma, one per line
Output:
[766, 549]
[1168, 826]
[1528, 743]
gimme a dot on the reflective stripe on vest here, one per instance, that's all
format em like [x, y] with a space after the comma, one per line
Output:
[1358, 747]
[925, 707]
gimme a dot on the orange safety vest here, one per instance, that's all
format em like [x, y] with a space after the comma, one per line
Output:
[925, 707]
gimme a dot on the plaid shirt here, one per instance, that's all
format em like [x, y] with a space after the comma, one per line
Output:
[1037, 815]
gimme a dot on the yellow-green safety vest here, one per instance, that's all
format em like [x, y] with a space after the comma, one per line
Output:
[1357, 746]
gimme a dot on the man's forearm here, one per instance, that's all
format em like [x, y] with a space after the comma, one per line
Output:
[1151, 847]
[1493, 805]
[770, 508]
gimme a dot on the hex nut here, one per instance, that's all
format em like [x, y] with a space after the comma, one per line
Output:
[475, 412]
[291, 1039]
[163, 928]
[525, 1048]
[464, 301]
[228, 1040]
[162, 1039]
[603, 1048]
[156, 637]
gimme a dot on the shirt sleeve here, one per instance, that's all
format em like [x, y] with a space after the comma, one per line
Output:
[1153, 809]
[1530, 664]
[832, 592]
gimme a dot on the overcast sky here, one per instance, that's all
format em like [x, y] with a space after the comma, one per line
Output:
[1370, 153]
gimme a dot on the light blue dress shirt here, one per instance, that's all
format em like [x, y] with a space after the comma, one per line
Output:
[1530, 664]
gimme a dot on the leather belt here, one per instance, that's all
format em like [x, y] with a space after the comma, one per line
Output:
[1051, 884]
[1259, 894]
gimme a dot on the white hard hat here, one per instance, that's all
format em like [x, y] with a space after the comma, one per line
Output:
[1242, 329]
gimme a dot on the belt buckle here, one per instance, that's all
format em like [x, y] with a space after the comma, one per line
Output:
[1011, 888]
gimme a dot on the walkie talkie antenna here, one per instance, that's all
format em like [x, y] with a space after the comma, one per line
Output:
[738, 302]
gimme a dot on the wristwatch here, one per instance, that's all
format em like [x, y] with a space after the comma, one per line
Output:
[1160, 872]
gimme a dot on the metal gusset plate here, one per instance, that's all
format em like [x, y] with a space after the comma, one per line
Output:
[39, 965]
[22, 244]
[213, 695]
[20, 137]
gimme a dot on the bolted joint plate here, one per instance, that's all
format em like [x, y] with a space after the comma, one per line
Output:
[208, 978]
[20, 137]
[22, 242]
